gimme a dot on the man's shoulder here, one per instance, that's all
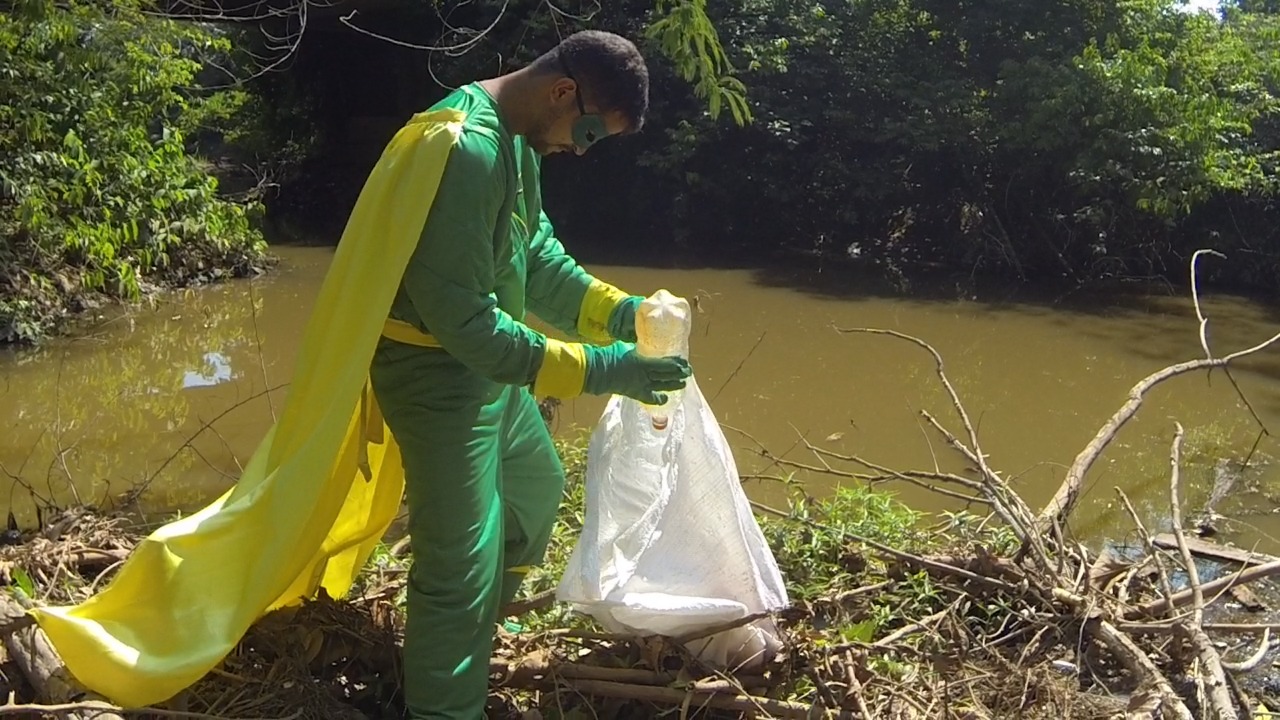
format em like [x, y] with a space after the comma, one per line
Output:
[475, 105]
[481, 141]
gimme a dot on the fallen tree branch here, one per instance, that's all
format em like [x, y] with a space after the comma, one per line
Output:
[31, 650]
[99, 710]
[1218, 691]
[1156, 607]
[1204, 548]
[1255, 659]
[1059, 508]
[1065, 498]
[541, 601]
[1137, 662]
[677, 697]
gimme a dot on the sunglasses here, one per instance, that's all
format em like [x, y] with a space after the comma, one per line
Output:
[588, 129]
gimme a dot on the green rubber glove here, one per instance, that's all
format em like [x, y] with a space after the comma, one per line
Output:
[622, 321]
[619, 369]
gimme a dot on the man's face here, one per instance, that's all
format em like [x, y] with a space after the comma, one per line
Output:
[555, 131]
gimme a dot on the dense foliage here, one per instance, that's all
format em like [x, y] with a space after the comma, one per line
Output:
[1064, 141]
[99, 193]
[1072, 139]
[1068, 140]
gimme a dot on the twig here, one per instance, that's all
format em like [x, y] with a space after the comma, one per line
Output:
[936, 565]
[452, 49]
[96, 709]
[824, 690]
[676, 697]
[723, 627]
[914, 627]
[946, 383]
[257, 338]
[994, 486]
[1065, 498]
[912, 477]
[1141, 666]
[1165, 584]
[1166, 627]
[1254, 660]
[1218, 691]
[1247, 575]
[1195, 299]
[855, 686]
[1193, 574]
[1204, 336]
[736, 370]
[199, 431]
[1010, 506]
[540, 601]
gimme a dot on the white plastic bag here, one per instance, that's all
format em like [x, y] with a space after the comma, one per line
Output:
[669, 545]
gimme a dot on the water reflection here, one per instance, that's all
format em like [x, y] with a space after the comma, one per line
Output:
[100, 416]
[114, 409]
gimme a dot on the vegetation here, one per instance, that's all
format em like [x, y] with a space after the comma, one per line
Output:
[1067, 142]
[1064, 143]
[890, 614]
[99, 191]
[1075, 140]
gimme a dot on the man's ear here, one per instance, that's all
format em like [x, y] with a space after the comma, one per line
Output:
[562, 90]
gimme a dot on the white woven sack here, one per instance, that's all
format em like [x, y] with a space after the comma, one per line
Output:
[669, 544]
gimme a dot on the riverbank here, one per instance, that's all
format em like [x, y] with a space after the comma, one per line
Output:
[50, 297]
[1001, 611]
[895, 614]
[106, 193]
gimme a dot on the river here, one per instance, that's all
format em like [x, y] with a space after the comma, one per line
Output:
[108, 412]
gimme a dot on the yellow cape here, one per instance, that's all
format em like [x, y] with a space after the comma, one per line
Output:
[307, 511]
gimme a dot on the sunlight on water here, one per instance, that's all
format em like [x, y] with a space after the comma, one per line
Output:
[174, 399]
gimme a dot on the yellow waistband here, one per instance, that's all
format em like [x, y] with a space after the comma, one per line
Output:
[403, 332]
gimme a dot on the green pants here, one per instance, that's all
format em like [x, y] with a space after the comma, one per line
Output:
[483, 483]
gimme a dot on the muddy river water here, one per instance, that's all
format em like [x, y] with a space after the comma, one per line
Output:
[110, 411]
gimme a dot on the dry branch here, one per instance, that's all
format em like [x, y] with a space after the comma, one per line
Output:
[1137, 662]
[1214, 551]
[1159, 607]
[1059, 508]
[93, 710]
[677, 697]
[1218, 692]
[1064, 500]
[42, 667]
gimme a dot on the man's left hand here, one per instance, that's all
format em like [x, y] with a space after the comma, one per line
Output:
[622, 321]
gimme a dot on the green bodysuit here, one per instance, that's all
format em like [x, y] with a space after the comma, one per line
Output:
[454, 376]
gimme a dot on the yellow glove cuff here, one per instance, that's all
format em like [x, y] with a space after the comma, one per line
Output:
[563, 371]
[597, 306]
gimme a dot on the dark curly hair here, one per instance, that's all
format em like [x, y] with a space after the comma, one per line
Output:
[609, 69]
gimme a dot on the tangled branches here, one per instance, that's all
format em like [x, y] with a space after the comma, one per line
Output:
[1038, 626]
[986, 618]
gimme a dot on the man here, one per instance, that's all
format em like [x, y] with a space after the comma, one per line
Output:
[457, 369]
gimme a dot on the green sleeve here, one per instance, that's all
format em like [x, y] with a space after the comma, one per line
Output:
[450, 277]
[556, 283]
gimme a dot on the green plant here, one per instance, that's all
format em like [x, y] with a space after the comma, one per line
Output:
[98, 192]
[688, 38]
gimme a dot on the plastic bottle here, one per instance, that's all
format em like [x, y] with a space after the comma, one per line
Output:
[663, 325]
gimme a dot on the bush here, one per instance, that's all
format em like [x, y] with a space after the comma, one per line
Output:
[98, 193]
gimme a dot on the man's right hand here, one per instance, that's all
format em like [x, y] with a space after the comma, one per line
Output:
[619, 369]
